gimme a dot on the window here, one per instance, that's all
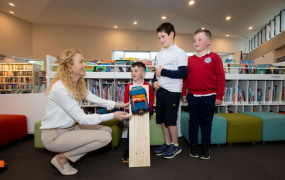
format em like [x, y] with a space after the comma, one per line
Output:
[117, 55]
[282, 21]
[273, 28]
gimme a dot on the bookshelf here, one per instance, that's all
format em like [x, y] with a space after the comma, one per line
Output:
[18, 76]
[258, 92]
[42, 77]
[104, 84]
[246, 91]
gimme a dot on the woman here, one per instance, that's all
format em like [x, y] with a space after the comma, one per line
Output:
[60, 133]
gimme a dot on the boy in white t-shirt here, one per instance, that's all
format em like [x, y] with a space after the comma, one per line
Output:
[171, 68]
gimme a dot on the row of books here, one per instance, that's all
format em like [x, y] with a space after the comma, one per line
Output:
[42, 73]
[229, 96]
[275, 93]
[9, 67]
[252, 69]
[14, 86]
[109, 91]
[16, 73]
[30, 89]
[16, 80]
[113, 65]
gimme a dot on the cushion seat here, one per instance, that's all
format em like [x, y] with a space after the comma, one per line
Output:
[219, 129]
[242, 127]
[273, 125]
[115, 125]
[12, 127]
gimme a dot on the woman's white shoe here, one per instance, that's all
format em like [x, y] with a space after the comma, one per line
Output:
[68, 169]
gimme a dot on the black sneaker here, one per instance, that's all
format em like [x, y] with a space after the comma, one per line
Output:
[193, 150]
[125, 158]
[161, 149]
[205, 153]
[171, 151]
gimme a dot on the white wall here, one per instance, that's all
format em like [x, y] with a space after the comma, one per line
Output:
[98, 43]
[267, 58]
[34, 41]
[31, 105]
[15, 36]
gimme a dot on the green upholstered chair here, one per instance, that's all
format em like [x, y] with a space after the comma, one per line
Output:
[115, 125]
[37, 135]
[219, 129]
[242, 128]
[155, 131]
[117, 130]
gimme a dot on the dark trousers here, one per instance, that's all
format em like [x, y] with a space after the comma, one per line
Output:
[201, 110]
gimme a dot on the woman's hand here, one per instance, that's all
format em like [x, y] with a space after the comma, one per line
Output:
[120, 115]
[121, 105]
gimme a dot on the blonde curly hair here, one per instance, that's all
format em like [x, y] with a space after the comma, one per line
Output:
[65, 61]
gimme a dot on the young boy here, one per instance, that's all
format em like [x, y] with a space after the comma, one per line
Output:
[206, 84]
[171, 68]
[138, 70]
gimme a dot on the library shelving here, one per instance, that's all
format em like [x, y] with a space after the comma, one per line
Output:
[18, 76]
[243, 92]
[247, 91]
[107, 85]
[42, 77]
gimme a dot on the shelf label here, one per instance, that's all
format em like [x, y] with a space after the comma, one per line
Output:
[276, 77]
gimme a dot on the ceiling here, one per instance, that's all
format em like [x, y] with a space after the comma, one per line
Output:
[210, 14]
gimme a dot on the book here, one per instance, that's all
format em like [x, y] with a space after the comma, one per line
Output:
[235, 68]
[122, 66]
[15, 91]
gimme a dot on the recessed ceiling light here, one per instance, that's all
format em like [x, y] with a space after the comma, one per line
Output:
[163, 17]
[250, 28]
[228, 18]
[11, 12]
[191, 2]
[11, 4]
[135, 22]
[202, 28]
[227, 35]
[115, 27]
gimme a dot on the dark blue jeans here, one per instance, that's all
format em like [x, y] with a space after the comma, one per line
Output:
[201, 110]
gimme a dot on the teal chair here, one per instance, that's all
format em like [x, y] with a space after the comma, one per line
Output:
[219, 129]
[273, 125]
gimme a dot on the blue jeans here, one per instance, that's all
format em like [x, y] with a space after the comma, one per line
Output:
[201, 110]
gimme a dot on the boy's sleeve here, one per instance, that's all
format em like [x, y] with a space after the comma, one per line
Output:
[127, 95]
[151, 97]
[182, 67]
[154, 77]
[220, 78]
[184, 87]
[180, 73]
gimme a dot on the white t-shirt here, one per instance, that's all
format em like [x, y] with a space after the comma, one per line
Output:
[63, 111]
[171, 59]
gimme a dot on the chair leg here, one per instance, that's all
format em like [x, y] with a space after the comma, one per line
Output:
[263, 142]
